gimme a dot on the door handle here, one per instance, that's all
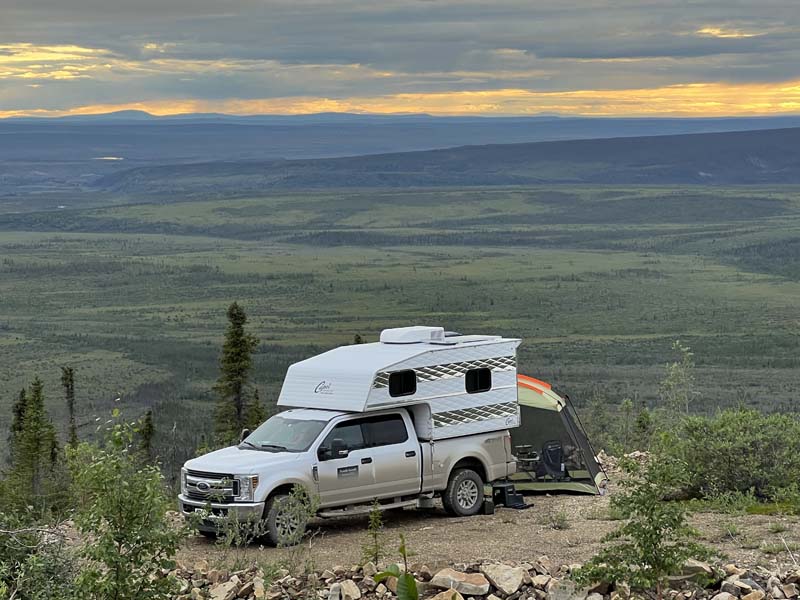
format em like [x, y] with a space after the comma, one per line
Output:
[366, 461]
[410, 454]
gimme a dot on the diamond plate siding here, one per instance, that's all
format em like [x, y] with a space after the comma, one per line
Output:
[473, 415]
[452, 370]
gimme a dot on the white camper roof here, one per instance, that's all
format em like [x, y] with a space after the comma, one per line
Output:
[342, 378]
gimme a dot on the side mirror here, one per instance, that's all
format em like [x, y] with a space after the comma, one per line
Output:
[339, 449]
[244, 434]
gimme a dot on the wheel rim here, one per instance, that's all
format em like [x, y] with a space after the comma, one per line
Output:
[287, 524]
[467, 494]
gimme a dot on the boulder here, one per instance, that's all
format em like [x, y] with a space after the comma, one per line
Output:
[335, 593]
[731, 569]
[790, 590]
[540, 581]
[695, 567]
[506, 579]
[448, 595]
[349, 590]
[224, 591]
[472, 584]
[724, 596]
[754, 595]
[369, 569]
[729, 588]
[564, 589]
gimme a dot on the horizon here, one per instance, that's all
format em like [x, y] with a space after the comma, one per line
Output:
[443, 58]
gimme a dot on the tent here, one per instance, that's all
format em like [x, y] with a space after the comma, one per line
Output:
[552, 450]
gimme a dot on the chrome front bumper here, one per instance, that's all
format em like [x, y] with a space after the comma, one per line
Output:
[219, 511]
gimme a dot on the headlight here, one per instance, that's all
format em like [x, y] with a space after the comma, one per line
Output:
[183, 480]
[247, 488]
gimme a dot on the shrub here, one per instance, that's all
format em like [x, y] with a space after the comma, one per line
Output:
[740, 451]
[655, 541]
[122, 510]
[373, 549]
[406, 584]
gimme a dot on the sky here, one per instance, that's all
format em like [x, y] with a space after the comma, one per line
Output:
[444, 57]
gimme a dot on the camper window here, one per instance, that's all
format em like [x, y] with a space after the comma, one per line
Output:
[402, 383]
[478, 380]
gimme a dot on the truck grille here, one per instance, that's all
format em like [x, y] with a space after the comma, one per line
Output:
[211, 487]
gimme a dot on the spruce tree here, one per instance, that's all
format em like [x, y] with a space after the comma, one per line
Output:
[18, 414]
[231, 386]
[256, 414]
[146, 431]
[68, 383]
[36, 451]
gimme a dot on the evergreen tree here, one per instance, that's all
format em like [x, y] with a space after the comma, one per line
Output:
[36, 451]
[68, 383]
[146, 431]
[231, 386]
[18, 414]
[256, 413]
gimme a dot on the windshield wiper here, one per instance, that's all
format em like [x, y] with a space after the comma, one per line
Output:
[251, 444]
[275, 447]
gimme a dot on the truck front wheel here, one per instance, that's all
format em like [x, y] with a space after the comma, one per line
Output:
[464, 494]
[285, 522]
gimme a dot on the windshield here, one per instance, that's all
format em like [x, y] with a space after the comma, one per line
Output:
[284, 434]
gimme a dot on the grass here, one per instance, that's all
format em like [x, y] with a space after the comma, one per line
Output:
[597, 281]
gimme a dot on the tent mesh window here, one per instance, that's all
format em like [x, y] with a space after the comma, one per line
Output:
[478, 380]
[402, 383]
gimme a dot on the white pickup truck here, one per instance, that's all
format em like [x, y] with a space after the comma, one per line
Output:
[431, 419]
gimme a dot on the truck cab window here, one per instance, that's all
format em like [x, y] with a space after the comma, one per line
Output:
[478, 380]
[385, 431]
[349, 432]
[402, 383]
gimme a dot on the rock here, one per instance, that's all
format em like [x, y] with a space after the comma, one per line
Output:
[259, 593]
[506, 579]
[777, 593]
[328, 574]
[793, 577]
[545, 564]
[754, 595]
[380, 590]
[540, 581]
[424, 573]
[594, 596]
[391, 583]
[473, 584]
[790, 590]
[196, 594]
[349, 590]
[335, 593]
[731, 569]
[729, 588]
[339, 570]
[450, 594]
[369, 569]
[492, 597]
[369, 583]
[601, 588]
[724, 596]
[564, 589]
[225, 591]
[696, 567]
[623, 589]
[246, 589]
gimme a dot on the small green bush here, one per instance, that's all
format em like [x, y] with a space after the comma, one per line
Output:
[740, 451]
[656, 540]
[122, 509]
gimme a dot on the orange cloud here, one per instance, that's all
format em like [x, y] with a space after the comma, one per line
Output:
[689, 100]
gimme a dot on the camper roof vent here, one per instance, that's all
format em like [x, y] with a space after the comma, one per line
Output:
[412, 335]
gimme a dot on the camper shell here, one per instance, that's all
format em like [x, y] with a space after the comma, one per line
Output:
[453, 385]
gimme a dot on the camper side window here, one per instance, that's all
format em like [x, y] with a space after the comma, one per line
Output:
[478, 380]
[402, 383]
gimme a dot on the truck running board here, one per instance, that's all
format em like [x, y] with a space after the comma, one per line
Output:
[363, 509]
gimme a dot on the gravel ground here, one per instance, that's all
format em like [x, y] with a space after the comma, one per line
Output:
[438, 540]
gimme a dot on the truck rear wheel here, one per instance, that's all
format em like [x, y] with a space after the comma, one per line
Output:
[284, 522]
[464, 494]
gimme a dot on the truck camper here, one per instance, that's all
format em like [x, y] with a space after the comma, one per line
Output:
[420, 414]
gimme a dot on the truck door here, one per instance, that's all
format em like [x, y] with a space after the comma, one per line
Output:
[395, 455]
[345, 477]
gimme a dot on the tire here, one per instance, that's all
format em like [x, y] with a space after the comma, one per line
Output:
[282, 527]
[464, 494]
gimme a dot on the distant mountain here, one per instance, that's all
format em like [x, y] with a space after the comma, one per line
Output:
[764, 157]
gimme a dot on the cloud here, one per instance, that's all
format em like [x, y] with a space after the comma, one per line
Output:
[271, 53]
